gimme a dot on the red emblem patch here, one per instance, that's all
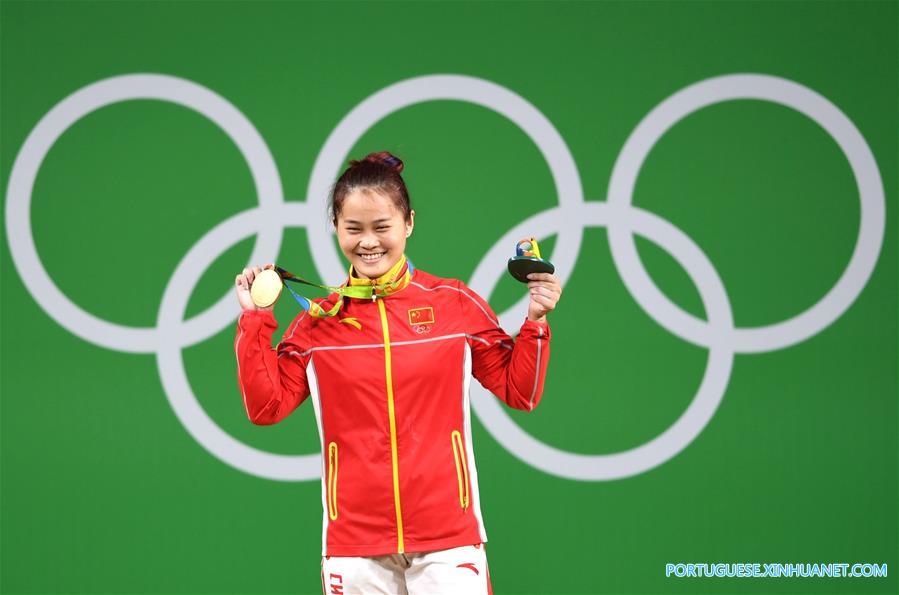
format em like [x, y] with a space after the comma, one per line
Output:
[421, 316]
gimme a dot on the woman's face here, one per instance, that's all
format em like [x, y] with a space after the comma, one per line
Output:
[371, 232]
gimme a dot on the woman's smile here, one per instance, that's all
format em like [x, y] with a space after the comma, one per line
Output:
[371, 257]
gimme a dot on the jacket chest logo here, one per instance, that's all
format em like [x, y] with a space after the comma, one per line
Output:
[421, 319]
[352, 322]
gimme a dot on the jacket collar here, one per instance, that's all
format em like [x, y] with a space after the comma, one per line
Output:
[394, 280]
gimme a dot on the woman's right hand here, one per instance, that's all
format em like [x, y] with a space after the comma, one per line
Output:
[243, 282]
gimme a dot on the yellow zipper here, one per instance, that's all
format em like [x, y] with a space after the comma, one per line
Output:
[461, 468]
[332, 481]
[392, 415]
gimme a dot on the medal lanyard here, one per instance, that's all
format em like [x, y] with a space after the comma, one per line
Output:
[361, 290]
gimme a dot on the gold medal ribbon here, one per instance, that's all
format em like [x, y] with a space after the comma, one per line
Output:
[389, 283]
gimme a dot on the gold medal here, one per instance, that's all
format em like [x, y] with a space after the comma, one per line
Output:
[266, 288]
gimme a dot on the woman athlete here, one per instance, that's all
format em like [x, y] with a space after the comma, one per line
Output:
[389, 379]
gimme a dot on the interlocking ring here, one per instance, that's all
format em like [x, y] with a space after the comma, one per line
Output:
[568, 219]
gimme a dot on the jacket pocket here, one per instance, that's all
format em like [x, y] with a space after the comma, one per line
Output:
[332, 481]
[461, 468]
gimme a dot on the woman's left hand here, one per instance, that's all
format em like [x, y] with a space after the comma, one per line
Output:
[545, 293]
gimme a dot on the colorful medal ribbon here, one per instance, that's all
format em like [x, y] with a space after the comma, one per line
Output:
[360, 288]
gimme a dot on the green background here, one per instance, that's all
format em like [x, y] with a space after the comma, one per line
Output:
[104, 491]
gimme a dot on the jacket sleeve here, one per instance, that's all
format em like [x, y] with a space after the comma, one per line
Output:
[513, 370]
[272, 381]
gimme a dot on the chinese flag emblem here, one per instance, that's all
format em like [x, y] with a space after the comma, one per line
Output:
[421, 316]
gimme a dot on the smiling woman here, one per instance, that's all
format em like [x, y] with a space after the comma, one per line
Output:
[391, 394]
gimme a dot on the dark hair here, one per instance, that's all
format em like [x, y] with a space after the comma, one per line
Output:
[378, 171]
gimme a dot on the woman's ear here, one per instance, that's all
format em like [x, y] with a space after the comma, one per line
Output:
[410, 223]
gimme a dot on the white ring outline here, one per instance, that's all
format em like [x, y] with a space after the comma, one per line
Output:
[170, 357]
[698, 413]
[435, 87]
[45, 134]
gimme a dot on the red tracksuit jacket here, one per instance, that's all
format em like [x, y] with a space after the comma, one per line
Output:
[389, 380]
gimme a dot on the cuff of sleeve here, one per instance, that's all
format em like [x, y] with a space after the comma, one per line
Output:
[537, 329]
[257, 318]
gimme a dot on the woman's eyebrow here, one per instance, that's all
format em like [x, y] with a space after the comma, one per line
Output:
[354, 222]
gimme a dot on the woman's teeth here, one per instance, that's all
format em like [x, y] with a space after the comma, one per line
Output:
[371, 257]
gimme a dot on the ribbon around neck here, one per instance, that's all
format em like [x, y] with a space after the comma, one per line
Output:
[356, 287]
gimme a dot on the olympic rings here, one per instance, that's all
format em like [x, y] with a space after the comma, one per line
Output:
[568, 219]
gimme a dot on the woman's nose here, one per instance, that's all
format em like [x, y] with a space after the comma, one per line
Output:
[369, 241]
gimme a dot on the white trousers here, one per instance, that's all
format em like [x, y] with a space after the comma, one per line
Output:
[452, 571]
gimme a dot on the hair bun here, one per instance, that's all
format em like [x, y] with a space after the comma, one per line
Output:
[383, 158]
[378, 171]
